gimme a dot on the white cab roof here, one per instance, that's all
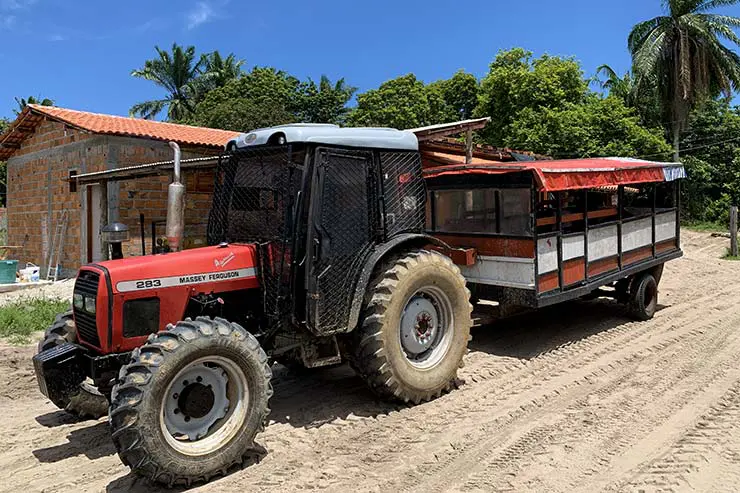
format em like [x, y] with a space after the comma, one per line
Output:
[380, 138]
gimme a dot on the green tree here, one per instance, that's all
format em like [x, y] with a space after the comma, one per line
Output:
[460, 95]
[261, 98]
[682, 56]
[23, 102]
[4, 124]
[219, 71]
[403, 102]
[643, 99]
[598, 127]
[178, 73]
[515, 82]
[325, 102]
[711, 153]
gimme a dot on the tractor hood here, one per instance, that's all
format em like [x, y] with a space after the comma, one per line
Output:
[199, 269]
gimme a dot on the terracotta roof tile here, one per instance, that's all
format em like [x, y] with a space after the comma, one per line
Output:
[124, 126]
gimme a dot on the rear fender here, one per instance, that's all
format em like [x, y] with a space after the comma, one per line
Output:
[397, 243]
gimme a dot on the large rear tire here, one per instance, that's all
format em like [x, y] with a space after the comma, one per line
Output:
[190, 402]
[86, 402]
[415, 328]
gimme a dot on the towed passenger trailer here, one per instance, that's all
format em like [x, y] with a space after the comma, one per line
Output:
[534, 233]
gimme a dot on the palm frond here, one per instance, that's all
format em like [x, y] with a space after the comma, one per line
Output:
[148, 109]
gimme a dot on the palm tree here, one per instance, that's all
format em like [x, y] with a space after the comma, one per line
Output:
[325, 102]
[178, 73]
[23, 102]
[622, 87]
[219, 70]
[682, 57]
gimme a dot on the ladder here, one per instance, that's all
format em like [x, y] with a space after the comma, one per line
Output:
[57, 246]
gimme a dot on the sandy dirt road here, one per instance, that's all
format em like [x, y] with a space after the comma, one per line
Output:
[573, 398]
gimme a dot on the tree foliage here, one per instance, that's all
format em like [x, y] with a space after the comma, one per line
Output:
[23, 102]
[598, 127]
[403, 102]
[261, 98]
[681, 56]
[516, 82]
[325, 102]
[177, 73]
[711, 154]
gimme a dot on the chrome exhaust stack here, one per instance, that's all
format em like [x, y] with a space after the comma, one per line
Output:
[175, 206]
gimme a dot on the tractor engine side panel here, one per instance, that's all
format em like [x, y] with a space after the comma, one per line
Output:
[150, 292]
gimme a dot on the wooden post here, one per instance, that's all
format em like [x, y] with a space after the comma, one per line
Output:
[733, 231]
[468, 147]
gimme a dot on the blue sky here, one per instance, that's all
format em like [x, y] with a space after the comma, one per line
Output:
[80, 53]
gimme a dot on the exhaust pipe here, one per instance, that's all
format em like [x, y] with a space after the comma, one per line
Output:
[175, 206]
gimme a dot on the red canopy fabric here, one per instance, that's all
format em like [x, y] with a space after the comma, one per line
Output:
[571, 174]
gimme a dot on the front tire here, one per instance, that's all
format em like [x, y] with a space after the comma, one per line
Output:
[190, 402]
[86, 402]
[415, 328]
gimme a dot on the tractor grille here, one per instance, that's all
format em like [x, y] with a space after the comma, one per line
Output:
[87, 329]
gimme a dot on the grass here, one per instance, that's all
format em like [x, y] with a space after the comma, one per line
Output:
[20, 319]
[705, 226]
[727, 256]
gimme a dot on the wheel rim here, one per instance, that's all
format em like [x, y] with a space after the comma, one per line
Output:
[426, 327]
[204, 406]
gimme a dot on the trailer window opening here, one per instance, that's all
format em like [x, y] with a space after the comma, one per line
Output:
[482, 210]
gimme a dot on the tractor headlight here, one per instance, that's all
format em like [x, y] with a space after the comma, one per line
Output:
[90, 305]
[78, 301]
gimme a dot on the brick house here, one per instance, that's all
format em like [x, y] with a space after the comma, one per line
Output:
[45, 146]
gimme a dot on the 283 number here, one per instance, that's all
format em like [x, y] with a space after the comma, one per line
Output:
[155, 283]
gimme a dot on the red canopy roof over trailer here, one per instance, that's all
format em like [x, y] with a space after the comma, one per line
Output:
[553, 175]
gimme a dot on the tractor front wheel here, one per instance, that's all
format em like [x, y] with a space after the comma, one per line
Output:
[415, 328]
[191, 400]
[86, 401]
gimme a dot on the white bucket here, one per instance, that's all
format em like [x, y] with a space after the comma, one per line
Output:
[30, 273]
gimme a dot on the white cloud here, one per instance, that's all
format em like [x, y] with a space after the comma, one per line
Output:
[16, 4]
[57, 38]
[204, 11]
[7, 22]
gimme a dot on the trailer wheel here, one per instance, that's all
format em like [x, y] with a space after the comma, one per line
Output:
[415, 328]
[189, 404]
[643, 297]
[86, 402]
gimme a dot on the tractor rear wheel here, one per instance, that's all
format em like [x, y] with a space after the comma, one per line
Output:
[86, 401]
[188, 405]
[415, 328]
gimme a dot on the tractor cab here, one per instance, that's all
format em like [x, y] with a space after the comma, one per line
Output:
[317, 255]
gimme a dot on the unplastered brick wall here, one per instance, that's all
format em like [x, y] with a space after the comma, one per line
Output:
[38, 191]
[148, 196]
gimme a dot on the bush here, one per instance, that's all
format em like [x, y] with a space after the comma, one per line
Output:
[20, 319]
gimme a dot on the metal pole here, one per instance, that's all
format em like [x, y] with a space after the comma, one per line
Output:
[733, 231]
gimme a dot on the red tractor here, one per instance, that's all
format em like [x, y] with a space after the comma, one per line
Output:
[318, 255]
